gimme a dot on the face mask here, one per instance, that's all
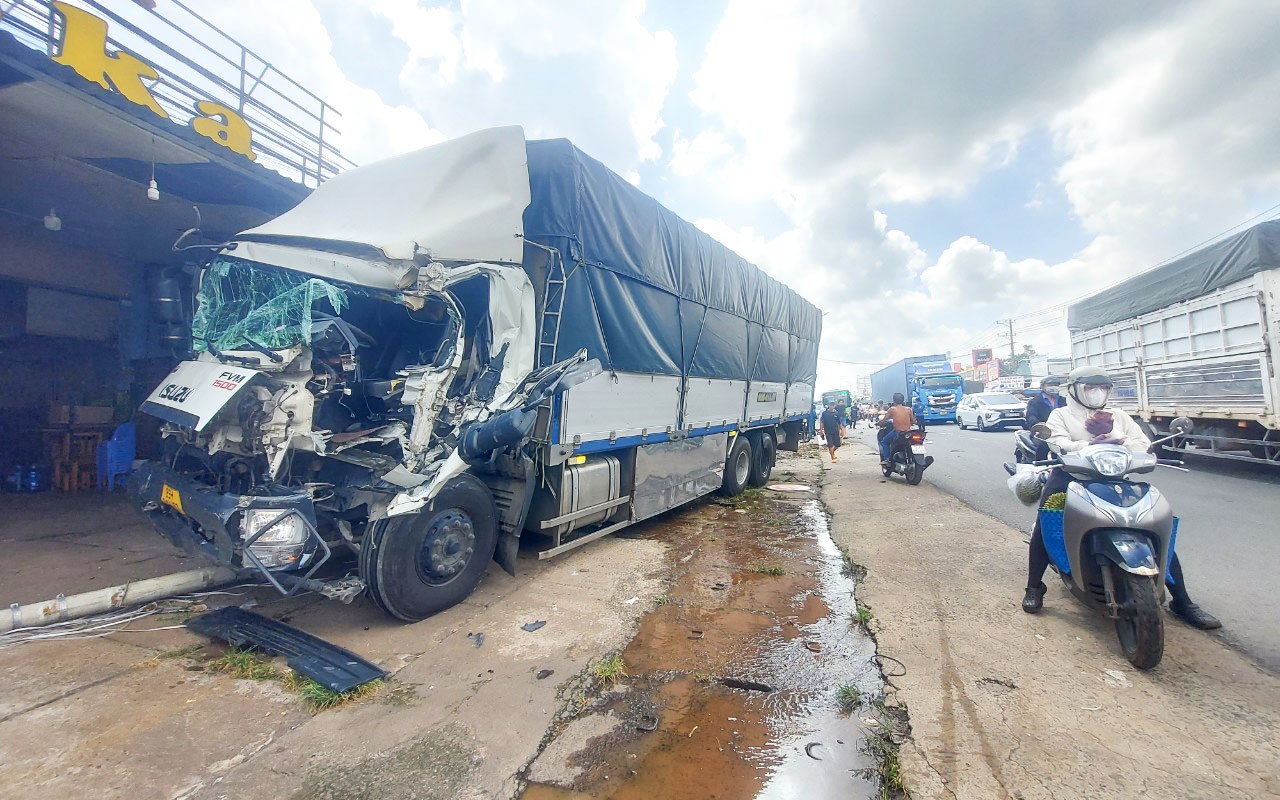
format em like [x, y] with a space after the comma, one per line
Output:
[1051, 391]
[1095, 396]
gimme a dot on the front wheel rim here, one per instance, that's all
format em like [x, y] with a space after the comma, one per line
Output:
[446, 548]
[741, 467]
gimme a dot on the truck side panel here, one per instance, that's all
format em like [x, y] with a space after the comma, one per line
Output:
[885, 382]
[765, 400]
[799, 401]
[598, 414]
[713, 403]
[670, 474]
[1208, 358]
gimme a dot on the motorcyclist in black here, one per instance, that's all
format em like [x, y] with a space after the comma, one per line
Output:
[1041, 406]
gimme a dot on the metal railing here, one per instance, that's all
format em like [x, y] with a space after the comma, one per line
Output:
[292, 128]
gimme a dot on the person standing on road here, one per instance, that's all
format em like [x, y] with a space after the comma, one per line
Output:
[898, 419]
[1040, 406]
[1087, 419]
[832, 430]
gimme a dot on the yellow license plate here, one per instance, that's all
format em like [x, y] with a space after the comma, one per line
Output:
[170, 497]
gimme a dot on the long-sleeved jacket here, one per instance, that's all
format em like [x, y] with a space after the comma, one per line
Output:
[1040, 407]
[1067, 429]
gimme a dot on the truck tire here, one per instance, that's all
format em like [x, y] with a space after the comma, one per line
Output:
[764, 450]
[737, 467]
[419, 564]
[1141, 630]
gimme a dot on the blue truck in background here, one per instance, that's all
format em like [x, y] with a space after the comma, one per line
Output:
[929, 383]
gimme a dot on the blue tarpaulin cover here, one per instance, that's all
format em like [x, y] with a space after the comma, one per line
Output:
[649, 292]
[1220, 264]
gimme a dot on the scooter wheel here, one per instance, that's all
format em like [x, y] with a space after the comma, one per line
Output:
[1141, 630]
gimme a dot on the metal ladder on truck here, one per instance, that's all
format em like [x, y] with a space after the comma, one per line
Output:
[552, 309]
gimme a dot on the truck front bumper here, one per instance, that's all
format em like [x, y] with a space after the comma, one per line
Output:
[200, 519]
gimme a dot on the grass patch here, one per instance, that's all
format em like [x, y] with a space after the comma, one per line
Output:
[848, 568]
[610, 670]
[244, 664]
[769, 569]
[663, 599]
[321, 698]
[862, 615]
[252, 665]
[848, 697]
[888, 771]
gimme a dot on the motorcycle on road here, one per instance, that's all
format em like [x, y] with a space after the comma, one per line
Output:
[1112, 537]
[1024, 447]
[907, 457]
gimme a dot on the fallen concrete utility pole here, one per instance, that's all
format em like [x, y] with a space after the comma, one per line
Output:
[65, 607]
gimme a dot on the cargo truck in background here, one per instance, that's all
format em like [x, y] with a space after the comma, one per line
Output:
[437, 356]
[929, 383]
[1196, 338]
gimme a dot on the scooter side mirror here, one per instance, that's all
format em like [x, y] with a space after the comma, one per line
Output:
[1040, 431]
[1181, 425]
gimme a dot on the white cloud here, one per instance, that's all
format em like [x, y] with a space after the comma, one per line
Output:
[580, 69]
[1161, 132]
[302, 48]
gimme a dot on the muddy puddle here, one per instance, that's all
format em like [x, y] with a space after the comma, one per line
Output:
[751, 678]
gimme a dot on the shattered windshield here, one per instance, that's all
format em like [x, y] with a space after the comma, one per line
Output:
[241, 302]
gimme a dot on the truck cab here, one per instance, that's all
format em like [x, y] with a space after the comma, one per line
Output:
[935, 395]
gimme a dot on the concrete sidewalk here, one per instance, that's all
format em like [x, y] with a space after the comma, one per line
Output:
[1007, 705]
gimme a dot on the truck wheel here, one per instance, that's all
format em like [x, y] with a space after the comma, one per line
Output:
[737, 467]
[765, 451]
[1140, 627]
[420, 564]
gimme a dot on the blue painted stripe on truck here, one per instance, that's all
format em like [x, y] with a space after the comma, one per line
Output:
[621, 443]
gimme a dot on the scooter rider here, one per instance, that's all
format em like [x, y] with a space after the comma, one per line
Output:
[1084, 420]
[896, 421]
[1041, 406]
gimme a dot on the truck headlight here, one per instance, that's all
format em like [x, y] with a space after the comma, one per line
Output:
[1110, 461]
[283, 543]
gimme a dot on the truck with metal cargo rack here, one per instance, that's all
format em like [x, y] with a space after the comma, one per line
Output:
[1195, 338]
[929, 384]
[436, 356]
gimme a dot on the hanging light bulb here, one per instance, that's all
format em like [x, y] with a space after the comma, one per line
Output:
[52, 222]
[153, 191]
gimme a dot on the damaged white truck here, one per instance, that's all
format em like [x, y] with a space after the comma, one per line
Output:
[436, 355]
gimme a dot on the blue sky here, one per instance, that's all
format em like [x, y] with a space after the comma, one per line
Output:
[919, 170]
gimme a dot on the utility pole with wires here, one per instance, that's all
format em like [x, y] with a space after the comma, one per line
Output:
[1013, 355]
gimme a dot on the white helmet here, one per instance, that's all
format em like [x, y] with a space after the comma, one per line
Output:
[1090, 387]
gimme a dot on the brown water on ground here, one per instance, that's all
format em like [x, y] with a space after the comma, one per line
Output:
[731, 687]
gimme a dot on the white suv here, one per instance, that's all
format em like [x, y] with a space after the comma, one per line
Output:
[988, 410]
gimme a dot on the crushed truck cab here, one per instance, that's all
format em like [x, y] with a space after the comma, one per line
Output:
[433, 354]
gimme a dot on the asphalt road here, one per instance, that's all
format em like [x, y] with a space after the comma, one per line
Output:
[1228, 534]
